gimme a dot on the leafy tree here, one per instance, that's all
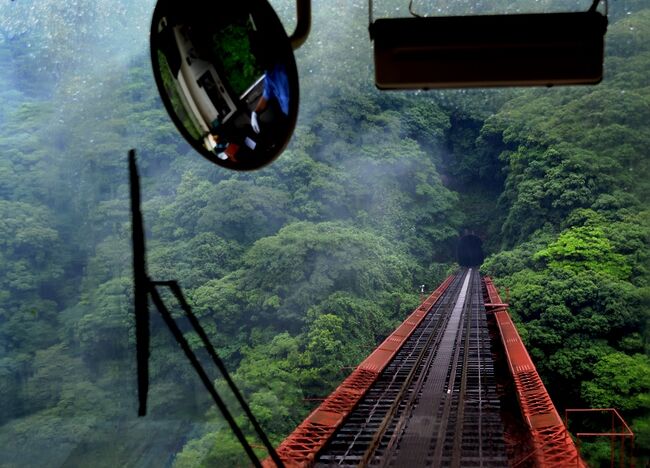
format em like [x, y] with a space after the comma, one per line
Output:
[620, 381]
[585, 248]
[297, 271]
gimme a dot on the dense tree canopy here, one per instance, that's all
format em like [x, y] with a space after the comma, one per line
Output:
[298, 270]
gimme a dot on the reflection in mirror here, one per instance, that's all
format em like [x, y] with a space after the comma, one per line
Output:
[227, 76]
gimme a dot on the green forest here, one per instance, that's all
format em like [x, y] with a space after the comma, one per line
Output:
[297, 271]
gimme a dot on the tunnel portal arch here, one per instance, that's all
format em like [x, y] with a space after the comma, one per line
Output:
[469, 251]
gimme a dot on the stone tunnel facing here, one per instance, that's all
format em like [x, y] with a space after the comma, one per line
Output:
[470, 251]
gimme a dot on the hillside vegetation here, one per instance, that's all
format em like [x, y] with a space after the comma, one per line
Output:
[298, 270]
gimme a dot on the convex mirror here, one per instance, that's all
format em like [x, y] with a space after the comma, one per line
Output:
[226, 73]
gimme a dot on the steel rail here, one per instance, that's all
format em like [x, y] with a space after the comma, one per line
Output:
[455, 460]
[407, 362]
[458, 440]
[431, 342]
[424, 407]
[404, 386]
[424, 423]
[410, 403]
[402, 363]
[480, 384]
[453, 372]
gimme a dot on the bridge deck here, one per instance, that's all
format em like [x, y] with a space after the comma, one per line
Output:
[427, 396]
[435, 404]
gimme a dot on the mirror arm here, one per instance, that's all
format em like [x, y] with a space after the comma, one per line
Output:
[303, 24]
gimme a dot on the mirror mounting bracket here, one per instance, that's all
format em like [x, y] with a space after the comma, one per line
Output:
[303, 24]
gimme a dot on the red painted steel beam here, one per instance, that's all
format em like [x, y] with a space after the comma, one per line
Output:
[300, 448]
[552, 443]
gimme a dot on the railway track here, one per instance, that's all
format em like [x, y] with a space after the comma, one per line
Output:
[435, 404]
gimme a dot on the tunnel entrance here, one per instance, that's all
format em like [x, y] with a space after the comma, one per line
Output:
[470, 251]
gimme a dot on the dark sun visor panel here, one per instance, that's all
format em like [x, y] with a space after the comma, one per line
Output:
[491, 50]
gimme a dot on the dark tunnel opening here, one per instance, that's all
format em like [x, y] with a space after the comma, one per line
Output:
[470, 251]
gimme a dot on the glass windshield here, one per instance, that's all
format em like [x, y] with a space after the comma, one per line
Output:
[297, 271]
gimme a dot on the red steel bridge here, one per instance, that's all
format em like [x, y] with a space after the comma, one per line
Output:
[453, 385]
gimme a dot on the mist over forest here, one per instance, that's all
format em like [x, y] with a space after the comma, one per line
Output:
[297, 271]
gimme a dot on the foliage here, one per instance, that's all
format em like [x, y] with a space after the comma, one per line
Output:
[232, 46]
[298, 270]
[620, 381]
[575, 234]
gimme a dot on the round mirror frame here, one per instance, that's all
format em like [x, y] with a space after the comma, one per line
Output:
[275, 39]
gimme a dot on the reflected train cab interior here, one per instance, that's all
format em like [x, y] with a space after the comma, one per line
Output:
[227, 76]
